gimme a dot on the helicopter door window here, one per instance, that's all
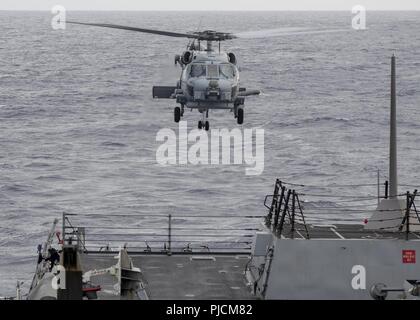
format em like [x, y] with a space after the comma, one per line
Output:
[212, 71]
[227, 71]
[198, 70]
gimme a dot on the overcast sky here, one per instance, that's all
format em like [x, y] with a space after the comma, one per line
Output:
[210, 4]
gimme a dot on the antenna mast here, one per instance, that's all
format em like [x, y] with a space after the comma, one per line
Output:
[393, 180]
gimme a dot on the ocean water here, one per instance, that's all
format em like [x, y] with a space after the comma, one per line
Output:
[78, 124]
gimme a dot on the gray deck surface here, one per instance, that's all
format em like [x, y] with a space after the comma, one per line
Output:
[179, 277]
[346, 231]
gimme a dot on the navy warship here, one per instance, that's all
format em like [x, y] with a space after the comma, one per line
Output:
[284, 254]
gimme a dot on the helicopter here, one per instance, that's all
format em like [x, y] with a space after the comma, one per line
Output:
[209, 78]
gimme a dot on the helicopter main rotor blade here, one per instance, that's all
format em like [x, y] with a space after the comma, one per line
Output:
[283, 32]
[209, 35]
[158, 32]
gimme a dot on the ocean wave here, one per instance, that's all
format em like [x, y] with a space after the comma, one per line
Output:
[14, 188]
[113, 144]
[37, 165]
[54, 178]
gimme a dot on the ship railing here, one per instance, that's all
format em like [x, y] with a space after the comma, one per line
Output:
[285, 215]
[289, 216]
[42, 266]
[410, 206]
[161, 234]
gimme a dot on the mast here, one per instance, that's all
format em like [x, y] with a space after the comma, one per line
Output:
[393, 181]
[209, 45]
[389, 209]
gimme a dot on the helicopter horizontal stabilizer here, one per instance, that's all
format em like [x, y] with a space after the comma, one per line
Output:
[248, 93]
[160, 92]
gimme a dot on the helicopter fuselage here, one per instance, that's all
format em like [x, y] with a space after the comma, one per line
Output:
[209, 80]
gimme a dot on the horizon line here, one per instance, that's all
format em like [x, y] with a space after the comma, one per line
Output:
[212, 10]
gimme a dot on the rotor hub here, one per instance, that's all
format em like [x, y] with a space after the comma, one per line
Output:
[210, 35]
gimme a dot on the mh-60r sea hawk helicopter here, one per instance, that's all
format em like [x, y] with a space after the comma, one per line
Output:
[209, 79]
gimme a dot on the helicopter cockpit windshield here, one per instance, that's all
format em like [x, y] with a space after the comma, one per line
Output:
[225, 71]
[213, 71]
[198, 70]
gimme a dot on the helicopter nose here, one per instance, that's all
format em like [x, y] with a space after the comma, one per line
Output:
[213, 88]
[214, 83]
[221, 90]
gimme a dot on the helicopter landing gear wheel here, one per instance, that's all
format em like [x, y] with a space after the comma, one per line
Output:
[177, 114]
[203, 123]
[240, 116]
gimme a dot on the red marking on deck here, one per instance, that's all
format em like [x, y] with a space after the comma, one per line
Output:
[409, 256]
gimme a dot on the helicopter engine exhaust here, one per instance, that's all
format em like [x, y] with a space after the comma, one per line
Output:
[187, 57]
[232, 58]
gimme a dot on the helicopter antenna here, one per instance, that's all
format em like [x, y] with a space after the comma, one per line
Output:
[198, 30]
[191, 44]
